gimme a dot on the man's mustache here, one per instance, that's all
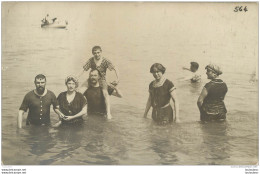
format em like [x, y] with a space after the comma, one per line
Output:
[93, 80]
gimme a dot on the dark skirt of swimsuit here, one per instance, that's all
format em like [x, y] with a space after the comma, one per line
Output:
[163, 115]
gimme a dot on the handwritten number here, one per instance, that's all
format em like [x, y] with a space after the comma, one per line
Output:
[236, 9]
[245, 9]
[240, 8]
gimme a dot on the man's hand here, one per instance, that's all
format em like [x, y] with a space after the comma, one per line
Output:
[57, 124]
[109, 116]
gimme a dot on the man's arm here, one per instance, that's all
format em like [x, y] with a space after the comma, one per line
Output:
[184, 68]
[58, 112]
[107, 102]
[185, 78]
[20, 118]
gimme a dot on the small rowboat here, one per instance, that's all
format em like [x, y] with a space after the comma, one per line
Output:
[55, 24]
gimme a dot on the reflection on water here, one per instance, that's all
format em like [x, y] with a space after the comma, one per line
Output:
[215, 145]
[39, 140]
[163, 144]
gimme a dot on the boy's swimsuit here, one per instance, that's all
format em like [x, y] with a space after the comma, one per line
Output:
[102, 68]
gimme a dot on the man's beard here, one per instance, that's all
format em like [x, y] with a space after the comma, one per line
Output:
[93, 81]
[40, 90]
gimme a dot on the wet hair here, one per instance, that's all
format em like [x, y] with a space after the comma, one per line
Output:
[40, 76]
[99, 73]
[71, 78]
[159, 67]
[195, 65]
[96, 48]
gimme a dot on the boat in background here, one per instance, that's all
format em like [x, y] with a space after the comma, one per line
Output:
[54, 24]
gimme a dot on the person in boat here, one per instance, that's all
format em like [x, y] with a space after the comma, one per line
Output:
[38, 102]
[72, 104]
[161, 91]
[195, 77]
[211, 100]
[48, 20]
[94, 94]
[102, 64]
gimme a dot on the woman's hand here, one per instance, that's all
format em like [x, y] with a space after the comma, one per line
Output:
[61, 115]
[68, 118]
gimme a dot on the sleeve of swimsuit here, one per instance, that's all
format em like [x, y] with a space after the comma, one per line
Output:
[150, 87]
[83, 100]
[109, 65]
[208, 86]
[59, 98]
[171, 86]
[87, 65]
[85, 96]
[25, 104]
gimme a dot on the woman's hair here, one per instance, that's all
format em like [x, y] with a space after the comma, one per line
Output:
[215, 69]
[157, 66]
[72, 78]
[96, 48]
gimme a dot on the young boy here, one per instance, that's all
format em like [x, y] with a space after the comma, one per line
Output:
[194, 66]
[101, 64]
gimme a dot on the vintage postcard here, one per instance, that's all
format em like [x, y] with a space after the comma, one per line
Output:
[130, 83]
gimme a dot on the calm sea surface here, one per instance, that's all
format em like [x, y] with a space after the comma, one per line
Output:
[133, 38]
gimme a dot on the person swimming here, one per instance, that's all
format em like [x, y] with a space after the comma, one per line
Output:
[195, 77]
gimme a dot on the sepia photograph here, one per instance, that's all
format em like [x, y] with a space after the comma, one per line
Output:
[130, 83]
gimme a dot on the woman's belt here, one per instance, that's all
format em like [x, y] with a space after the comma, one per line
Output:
[168, 104]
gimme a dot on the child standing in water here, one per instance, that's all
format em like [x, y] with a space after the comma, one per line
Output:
[102, 64]
[194, 66]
